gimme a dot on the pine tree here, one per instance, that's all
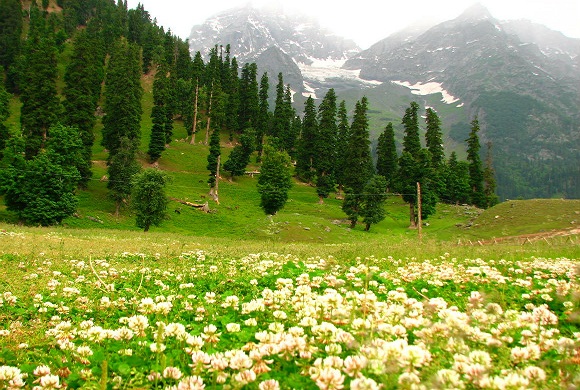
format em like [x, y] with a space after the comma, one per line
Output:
[434, 140]
[122, 98]
[359, 164]
[240, 157]
[373, 206]
[122, 167]
[306, 145]
[41, 190]
[325, 146]
[289, 138]
[148, 198]
[4, 114]
[342, 139]
[478, 197]
[83, 78]
[158, 115]
[264, 116]
[279, 123]
[213, 160]
[249, 99]
[275, 180]
[40, 103]
[10, 33]
[489, 179]
[387, 159]
[411, 140]
[457, 181]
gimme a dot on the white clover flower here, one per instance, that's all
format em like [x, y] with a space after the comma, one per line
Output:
[157, 347]
[191, 383]
[172, 373]
[50, 382]
[41, 371]
[363, 383]
[233, 327]
[269, 384]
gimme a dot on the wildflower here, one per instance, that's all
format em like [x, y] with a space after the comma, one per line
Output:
[157, 347]
[269, 384]
[210, 334]
[41, 371]
[172, 373]
[50, 382]
[191, 383]
[364, 383]
[233, 328]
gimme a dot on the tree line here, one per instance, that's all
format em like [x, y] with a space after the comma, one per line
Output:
[113, 46]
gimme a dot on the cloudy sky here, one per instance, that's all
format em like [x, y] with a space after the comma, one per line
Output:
[368, 21]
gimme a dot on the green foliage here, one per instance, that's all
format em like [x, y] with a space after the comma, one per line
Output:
[478, 197]
[148, 198]
[240, 156]
[159, 115]
[307, 144]
[122, 94]
[212, 158]
[4, 114]
[275, 180]
[358, 164]
[373, 205]
[40, 104]
[457, 181]
[82, 91]
[325, 145]
[387, 164]
[342, 139]
[411, 141]
[41, 190]
[10, 32]
[123, 166]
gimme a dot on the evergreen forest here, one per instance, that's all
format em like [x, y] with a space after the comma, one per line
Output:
[76, 75]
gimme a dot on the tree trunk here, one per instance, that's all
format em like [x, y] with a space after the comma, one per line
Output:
[194, 127]
[117, 208]
[353, 224]
[146, 229]
[413, 223]
[367, 227]
[320, 199]
[208, 115]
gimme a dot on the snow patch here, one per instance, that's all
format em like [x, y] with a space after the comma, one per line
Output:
[323, 69]
[429, 88]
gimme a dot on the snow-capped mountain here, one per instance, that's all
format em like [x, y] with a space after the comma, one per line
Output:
[276, 42]
[521, 79]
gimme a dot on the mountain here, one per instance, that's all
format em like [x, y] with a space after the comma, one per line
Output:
[522, 81]
[276, 42]
[520, 78]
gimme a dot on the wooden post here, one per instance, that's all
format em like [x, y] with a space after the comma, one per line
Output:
[420, 223]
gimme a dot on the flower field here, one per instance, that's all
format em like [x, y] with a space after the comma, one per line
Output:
[272, 321]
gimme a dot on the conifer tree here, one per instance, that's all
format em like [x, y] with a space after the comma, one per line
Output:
[434, 140]
[83, 78]
[275, 180]
[434, 143]
[306, 145]
[342, 139]
[41, 190]
[489, 179]
[325, 146]
[289, 137]
[457, 181]
[264, 115]
[279, 120]
[478, 197]
[148, 199]
[41, 106]
[158, 115]
[414, 164]
[373, 207]
[10, 33]
[411, 140]
[4, 114]
[122, 98]
[359, 164]
[249, 99]
[123, 166]
[212, 160]
[240, 156]
[387, 159]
